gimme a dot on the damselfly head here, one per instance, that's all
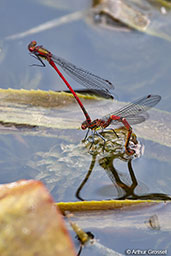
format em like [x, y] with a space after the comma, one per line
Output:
[84, 125]
[32, 45]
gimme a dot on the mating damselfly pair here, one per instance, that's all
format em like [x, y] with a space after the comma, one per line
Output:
[132, 113]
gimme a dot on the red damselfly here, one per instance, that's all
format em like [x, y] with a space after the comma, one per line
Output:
[82, 76]
[132, 113]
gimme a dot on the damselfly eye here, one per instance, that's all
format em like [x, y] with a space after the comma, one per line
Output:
[84, 125]
[32, 45]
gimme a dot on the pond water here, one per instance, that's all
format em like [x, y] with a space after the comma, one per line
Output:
[138, 64]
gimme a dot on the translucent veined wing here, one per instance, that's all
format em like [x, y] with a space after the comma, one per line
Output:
[89, 80]
[134, 112]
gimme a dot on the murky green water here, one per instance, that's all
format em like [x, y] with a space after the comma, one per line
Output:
[138, 64]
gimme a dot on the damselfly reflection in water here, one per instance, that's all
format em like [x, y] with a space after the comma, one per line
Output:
[119, 180]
